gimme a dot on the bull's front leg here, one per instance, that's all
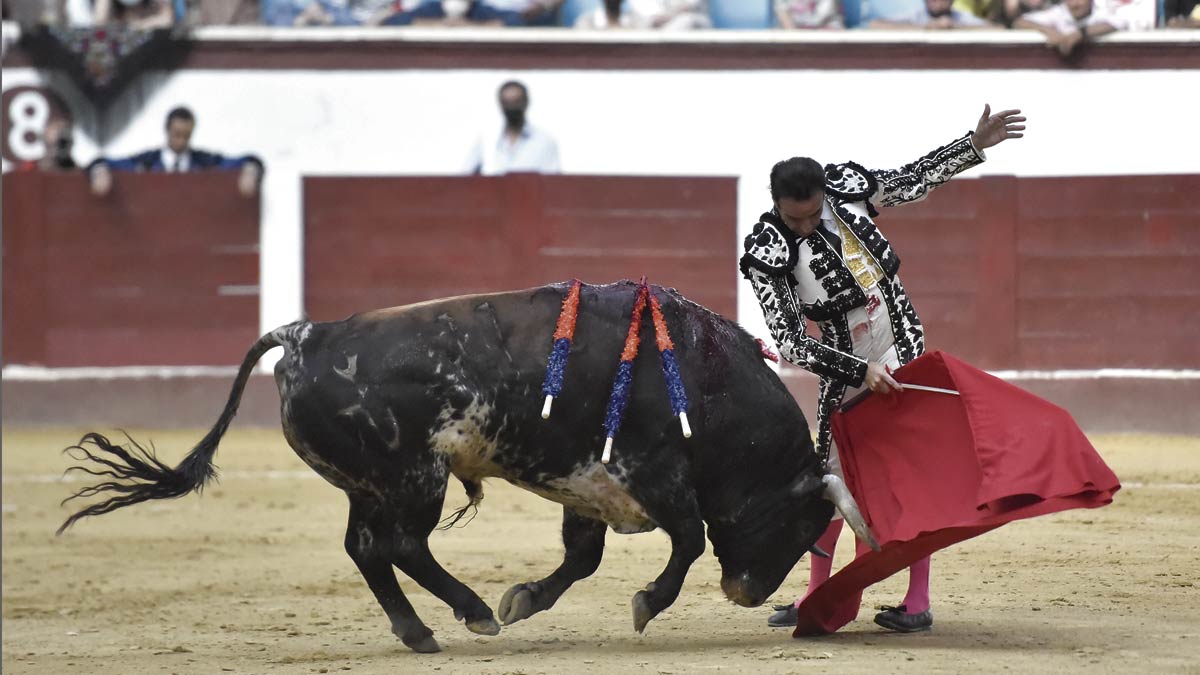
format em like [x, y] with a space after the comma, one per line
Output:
[672, 504]
[583, 541]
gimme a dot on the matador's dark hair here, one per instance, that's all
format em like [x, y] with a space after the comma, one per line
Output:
[798, 178]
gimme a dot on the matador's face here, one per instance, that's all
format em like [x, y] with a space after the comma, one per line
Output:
[802, 216]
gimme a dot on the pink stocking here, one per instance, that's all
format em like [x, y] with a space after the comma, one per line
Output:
[820, 568]
[917, 600]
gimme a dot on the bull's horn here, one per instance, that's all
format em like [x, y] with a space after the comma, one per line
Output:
[837, 492]
[818, 551]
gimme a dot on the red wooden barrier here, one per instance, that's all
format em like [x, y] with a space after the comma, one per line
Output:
[162, 271]
[1109, 272]
[1034, 273]
[378, 242]
[1053, 273]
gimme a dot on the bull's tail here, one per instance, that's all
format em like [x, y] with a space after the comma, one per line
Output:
[137, 475]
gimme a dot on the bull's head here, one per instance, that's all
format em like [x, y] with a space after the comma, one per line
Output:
[759, 545]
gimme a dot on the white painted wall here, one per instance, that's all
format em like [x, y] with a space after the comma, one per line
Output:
[733, 123]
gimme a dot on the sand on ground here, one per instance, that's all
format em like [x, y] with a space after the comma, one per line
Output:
[251, 577]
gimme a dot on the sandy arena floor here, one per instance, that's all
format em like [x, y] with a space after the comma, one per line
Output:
[251, 578]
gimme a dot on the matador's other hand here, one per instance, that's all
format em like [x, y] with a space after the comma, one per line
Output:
[879, 380]
[995, 128]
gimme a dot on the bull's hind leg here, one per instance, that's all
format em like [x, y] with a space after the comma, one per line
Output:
[583, 539]
[418, 563]
[416, 514]
[372, 550]
[380, 536]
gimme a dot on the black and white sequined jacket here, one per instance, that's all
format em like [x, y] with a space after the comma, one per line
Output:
[796, 280]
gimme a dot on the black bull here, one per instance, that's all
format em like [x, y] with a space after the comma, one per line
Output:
[386, 405]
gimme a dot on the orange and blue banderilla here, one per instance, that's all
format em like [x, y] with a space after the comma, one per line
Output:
[624, 378]
[563, 334]
[666, 349]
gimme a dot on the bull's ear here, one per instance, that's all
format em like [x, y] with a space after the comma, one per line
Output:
[806, 487]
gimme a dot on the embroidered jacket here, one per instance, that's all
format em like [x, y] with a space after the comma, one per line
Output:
[823, 289]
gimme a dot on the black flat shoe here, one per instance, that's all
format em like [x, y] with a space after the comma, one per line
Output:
[895, 618]
[784, 616]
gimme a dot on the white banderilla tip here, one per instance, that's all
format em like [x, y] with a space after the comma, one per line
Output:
[607, 450]
[687, 428]
[546, 407]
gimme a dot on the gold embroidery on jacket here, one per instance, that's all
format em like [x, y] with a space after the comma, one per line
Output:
[864, 268]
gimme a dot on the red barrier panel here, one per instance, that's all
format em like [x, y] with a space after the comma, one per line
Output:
[1031, 273]
[379, 242]
[1107, 272]
[1053, 273]
[162, 271]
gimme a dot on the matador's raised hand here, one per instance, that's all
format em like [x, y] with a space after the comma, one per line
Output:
[995, 128]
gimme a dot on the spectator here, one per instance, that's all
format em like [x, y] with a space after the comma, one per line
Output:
[1070, 24]
[328, 12]
[1181, 13]
[984, 9]
[485, 12]
[1008, 11]
[933, 15]
[177, 156]
[533, 12]
[59, 139]
[611, 15]
[648, 14]
[518, 146]
[342, 12]
[793, 14]
[136, 14]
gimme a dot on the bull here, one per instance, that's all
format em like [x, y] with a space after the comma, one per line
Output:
[388, 404]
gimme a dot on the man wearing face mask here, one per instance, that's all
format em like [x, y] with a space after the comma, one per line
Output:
[519, 146]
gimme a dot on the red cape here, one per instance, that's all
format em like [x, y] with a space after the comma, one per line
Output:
[930, 469]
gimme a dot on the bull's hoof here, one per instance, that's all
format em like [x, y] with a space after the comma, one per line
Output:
[517, 604]
[486, 626]
[425, 645]
[641, 611]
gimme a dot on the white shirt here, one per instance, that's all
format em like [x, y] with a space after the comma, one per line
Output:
[1060, 19]
[870, 326]
[827, 220]
[533, 151]
[169, 157]
[643, 13]
[871, 336]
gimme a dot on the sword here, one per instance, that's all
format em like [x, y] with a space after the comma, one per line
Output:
[922, 387]
[859, 398]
